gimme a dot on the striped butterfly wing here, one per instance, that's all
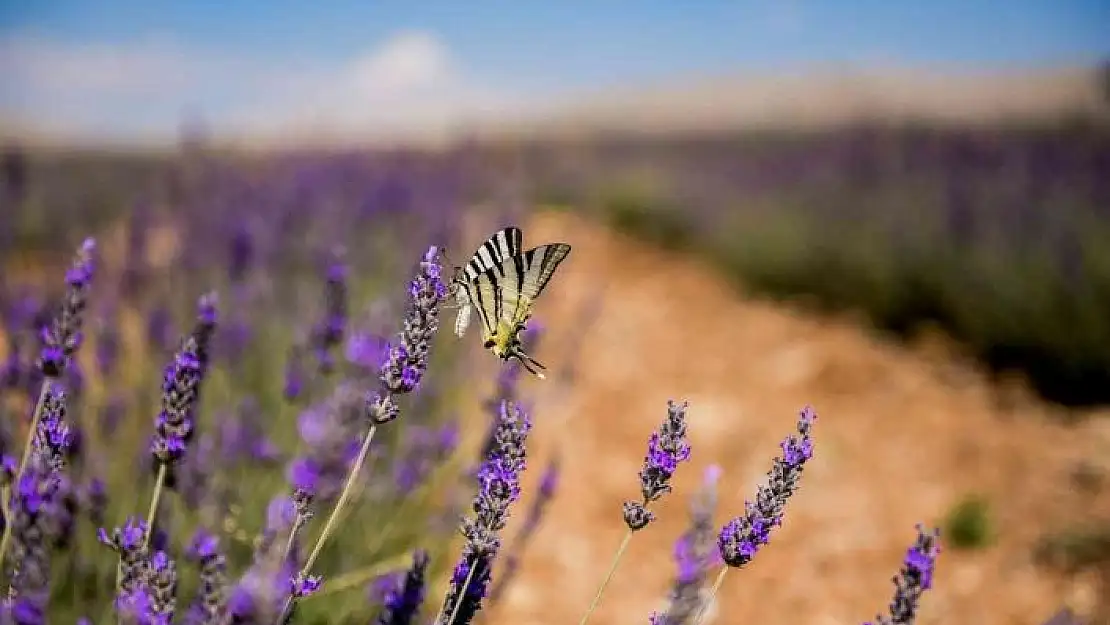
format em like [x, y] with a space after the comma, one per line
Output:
[462, 320]
[524, 278]
[484, 292]
[504, 244]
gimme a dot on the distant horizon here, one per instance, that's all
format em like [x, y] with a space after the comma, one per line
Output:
[130, 70]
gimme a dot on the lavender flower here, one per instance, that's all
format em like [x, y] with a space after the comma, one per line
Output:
[695, 554]
[174, 425]
[402, 604]
[133, 607]
[499, 488]
[35, 504]
[667, 447]
[161, 580]
[401, 373]
[913, 580]
[62, 337]
[742, 537]
[408, 360]
[548, 484]
[128, 543]
[181, 388]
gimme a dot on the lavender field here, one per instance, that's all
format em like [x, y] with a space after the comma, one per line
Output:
[994, 235]
[245, 320]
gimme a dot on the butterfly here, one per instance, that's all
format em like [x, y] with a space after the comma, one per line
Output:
[505, 243]
[502, 284]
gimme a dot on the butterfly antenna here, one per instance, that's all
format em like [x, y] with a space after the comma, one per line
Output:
[532, 365]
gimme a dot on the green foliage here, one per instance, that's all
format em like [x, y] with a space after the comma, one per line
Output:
[637, 213]
[968, 524]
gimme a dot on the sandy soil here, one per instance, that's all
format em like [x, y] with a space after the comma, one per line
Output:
[902, 435]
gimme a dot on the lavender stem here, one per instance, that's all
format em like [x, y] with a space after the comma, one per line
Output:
[360, 576]
[36, 416]
[462, 593]
[608, 577]
[712, 594]
[329, 526]
[159, 481]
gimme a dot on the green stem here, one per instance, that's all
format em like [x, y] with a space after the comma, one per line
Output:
[458, 597]
[35, 417]
[608, 577]
[712, 593]
[361, 576]
[329, 526]
[159, 481]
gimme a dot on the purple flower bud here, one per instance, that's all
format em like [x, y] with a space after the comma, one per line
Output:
[667, 447]
[402, 603]
[742, 537]
[408, 359]
[63, 336]
[914, 579]
[499, 487]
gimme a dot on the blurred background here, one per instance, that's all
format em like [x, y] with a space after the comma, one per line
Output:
[896, 212]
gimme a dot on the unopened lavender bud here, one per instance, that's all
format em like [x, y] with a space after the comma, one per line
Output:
[636, 516]
[381, 409]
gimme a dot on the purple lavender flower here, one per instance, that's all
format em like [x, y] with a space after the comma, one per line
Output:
[35, 503]
[62, 337]
[499, 488]
[695, 554]
[128, 543]
[174, 425]
[548, 484]
[742, 537]
[21, 611]
[402, 603]
[408, 359]
[667, 447]
[161, 581]
[208, 606]
[913, 580]
[301, 585]
[134, 607]
[181, 388]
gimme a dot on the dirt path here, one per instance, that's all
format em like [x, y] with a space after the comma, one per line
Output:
[900, 439]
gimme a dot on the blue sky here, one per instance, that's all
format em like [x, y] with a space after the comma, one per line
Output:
[209, 56]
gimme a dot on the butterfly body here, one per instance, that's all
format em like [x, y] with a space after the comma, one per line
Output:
[502, 284]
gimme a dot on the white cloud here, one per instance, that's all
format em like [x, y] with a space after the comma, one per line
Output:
[408, 82]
